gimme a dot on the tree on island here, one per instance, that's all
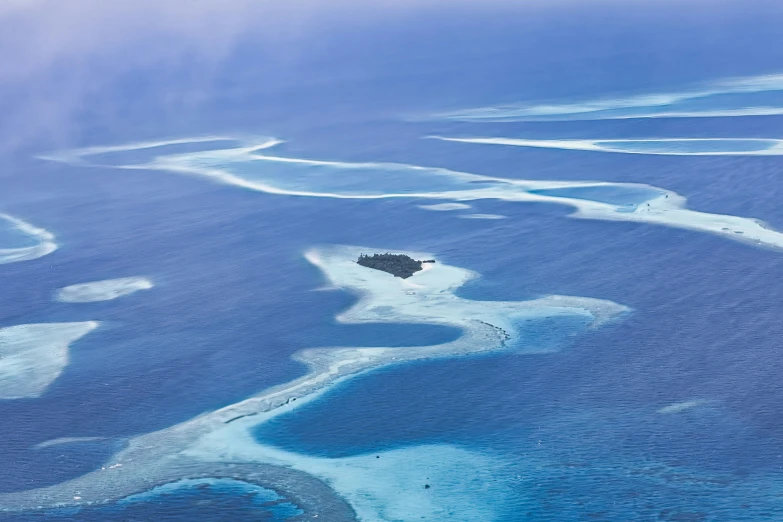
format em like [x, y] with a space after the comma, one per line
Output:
[399, 265]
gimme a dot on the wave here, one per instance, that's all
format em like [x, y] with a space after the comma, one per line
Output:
[654, 146]
[21, 241]
[745, 96]
[247, 167]
[221, 442]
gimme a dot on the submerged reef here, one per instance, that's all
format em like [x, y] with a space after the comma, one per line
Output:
[32, 356]
[398, 265]
[105, 290]
[249, 168]
[221, 444]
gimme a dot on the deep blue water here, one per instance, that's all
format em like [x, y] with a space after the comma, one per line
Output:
[234, 298]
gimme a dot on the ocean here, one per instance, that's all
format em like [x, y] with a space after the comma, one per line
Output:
[669, 412]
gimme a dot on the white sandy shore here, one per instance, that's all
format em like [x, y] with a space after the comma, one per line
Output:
[669, 209]
[46, 244]
[104, 290]
[211, 441]
[32, 356]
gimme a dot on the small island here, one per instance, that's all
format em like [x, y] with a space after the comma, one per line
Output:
[398, 265]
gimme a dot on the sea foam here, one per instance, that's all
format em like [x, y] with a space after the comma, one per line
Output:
[104, 290]
[32, 356]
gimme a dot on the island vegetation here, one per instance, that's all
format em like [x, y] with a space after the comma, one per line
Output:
[399, 265]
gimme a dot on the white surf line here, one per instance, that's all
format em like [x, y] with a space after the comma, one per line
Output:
[45, 238]
[653, 105]
[669, 209]
[32, 356]
[487, 326]
[105, 290]
[774, 147]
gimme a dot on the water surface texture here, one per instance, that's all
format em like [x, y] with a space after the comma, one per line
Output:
[185, 333]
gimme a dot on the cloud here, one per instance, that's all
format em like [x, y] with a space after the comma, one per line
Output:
[60, 55]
